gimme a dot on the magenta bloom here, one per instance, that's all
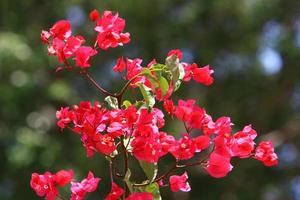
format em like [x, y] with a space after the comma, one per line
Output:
[179, 183]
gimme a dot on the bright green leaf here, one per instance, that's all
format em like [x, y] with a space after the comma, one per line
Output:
[147, 95]
[126, 103]
[164, 85]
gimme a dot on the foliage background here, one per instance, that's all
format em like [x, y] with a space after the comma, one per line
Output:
[253, 46]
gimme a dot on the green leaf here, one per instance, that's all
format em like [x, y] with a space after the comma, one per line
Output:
[177, 70]
[126, 103]
[147, 95]
[112, 101]
[150, 169]
[150, 77]
[152, 188]
[164, 85]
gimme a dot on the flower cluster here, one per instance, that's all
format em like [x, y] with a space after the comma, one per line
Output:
[123, 128]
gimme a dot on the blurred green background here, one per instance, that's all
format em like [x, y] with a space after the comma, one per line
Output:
[253, 46]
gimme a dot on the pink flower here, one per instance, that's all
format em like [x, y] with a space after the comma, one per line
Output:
[265, 153]
[83, 55]
[94, 15]
[45, 35]
[175, 52]
[218, 165]
[179, 183]
[79, 189]
[61, 29]
[115, 193]
[140, 196]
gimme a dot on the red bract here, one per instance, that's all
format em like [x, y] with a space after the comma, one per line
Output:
[45, 184]
[120, 66]
[115, 193]
[73, 43]
[265, 153]
[110, 28]
[169, 106]
[94, 15]
[218, 165]
[140, 196]
[179, 183]
[83, 55]
[242, 143]
[203, 75]
[63, 177]
[183, 149]
[61, 29]
[201, 142]
[79, 189]
[176, 52]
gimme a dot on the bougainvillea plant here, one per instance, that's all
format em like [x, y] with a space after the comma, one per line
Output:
[118, 128]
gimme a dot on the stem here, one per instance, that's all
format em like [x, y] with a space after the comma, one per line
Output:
[111, 172]
[93, 81]
[60, 197]
[186, 128]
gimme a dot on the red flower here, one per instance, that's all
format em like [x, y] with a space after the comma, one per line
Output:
[242, 143]
[115, 193]
[79, 189]
[83, 55]
[63, 177]
[218, 165]
[265, 153]
[179, 183]
[73, 43]
[203, 75]
[200, 75]
[184, 109]
[201, 142]
[183, 149]
[175, 52]
[45, 184]
[140, 196]
[94, 15]
[120, 66]
[64, 116]
[110, 29]
[169, 106]
[61, 29]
